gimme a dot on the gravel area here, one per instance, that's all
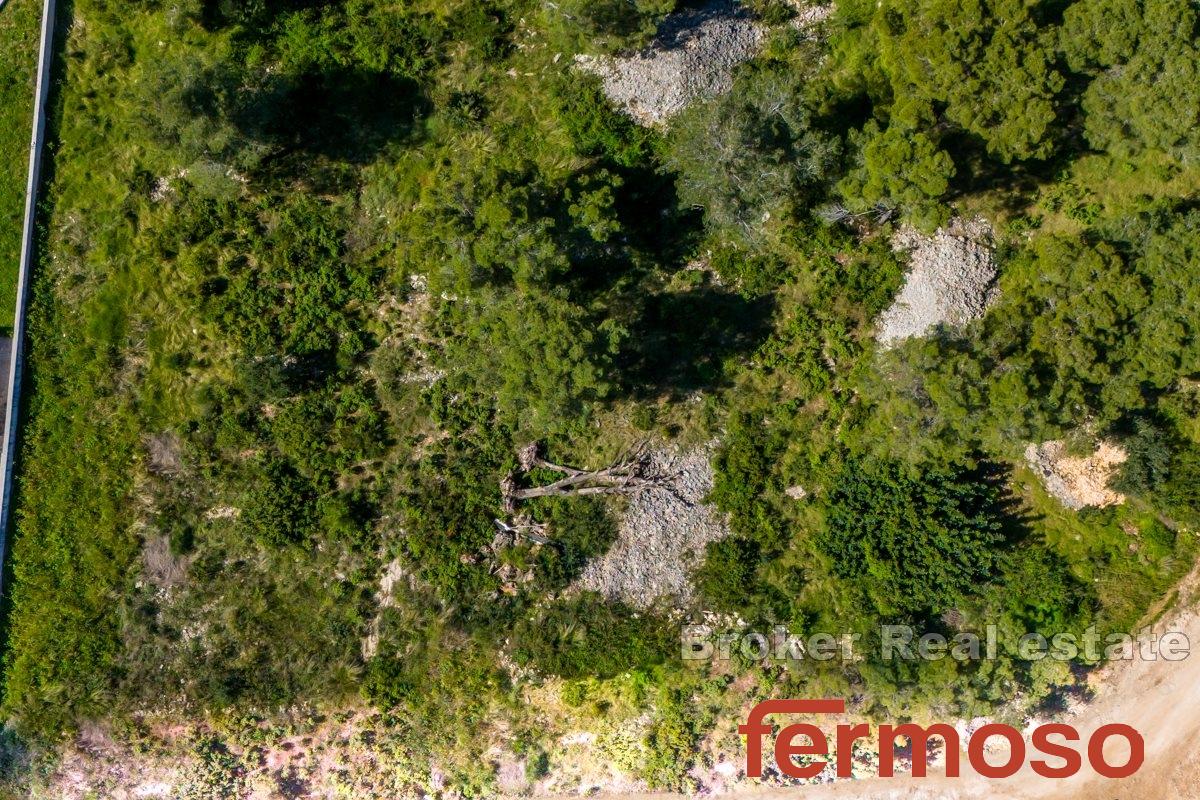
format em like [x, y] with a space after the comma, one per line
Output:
[662, 535]
[950, 281]
[1077, 482]
[691, 58]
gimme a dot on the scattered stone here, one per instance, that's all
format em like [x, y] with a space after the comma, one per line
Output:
[393, 573]
[662, 534]
[222, 512]
[426, 376]
[510, 773]
[704, 267]
[809, 16]
[796, 492]
[1077, 482]
[950, 280]
[162, 190]
[407, 318]
[692, 58]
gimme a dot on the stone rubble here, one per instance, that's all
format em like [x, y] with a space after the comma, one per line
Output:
[662, 535]
[950, 281]
[1077, 482]
[692, 58]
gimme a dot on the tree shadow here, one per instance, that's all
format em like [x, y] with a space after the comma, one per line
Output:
[652, 215]
[346, 116]
[317, 125]
[654, 230]
[254, 15]
[682, 341]
[1015, 519]
[1016, 184]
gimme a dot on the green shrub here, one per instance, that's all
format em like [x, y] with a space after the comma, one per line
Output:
[609, 25]
[671, 743]
[727, 577]
[596, 128]
[588, 637]
[280, 509]
[916, 542]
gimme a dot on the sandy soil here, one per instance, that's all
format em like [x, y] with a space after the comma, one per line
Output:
[1077, 482]
[1160, 699]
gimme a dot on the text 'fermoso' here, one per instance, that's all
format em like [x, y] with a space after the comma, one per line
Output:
[1051, 747]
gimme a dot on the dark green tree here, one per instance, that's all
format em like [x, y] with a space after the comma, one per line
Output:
[543, 361]
[988, 63]
[898, 167]
[1145, 92]
[915, 542]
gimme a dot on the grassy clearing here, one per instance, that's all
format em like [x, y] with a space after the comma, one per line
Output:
[19, 31]
[1125, 552]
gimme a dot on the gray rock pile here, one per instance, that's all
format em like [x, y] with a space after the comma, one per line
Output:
[949, 282]
[691, 58]
[662, 535]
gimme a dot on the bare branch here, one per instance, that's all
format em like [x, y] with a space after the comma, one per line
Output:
[629, 475]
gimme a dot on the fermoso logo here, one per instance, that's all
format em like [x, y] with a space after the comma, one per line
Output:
[1071, 761]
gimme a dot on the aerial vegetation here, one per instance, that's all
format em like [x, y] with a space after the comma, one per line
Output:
[19, 41]
[316, 274]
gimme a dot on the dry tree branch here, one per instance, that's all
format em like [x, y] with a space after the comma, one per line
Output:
[628, 475]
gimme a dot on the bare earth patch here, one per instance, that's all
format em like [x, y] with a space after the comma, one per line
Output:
[164, 453]
[160, 566]
[1077, 482]
[950, 280]
[691, 58]
[662, 534]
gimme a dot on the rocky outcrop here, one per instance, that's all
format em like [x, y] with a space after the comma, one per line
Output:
[1074, 481]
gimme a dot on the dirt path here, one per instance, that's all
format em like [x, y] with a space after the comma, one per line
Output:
[1160, 699]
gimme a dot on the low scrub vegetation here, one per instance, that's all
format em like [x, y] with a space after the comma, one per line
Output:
[314, 274]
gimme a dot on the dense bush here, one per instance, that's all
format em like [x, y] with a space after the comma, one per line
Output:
[596, 128]
[753, 159]
[727, 577]
[1142, 60]
[915, 543]
[280, 509]
[609, 25]
[587, 636]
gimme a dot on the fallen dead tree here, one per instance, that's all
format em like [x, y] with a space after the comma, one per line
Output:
[520, 528]
[628, 475]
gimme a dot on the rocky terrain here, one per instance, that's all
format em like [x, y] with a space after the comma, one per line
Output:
[692, 58]
[663, 532]
[950, 280]
[1074, 481]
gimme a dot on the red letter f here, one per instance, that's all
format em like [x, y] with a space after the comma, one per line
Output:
[755, 729]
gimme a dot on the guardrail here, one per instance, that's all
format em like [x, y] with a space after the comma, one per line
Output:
[28, 252]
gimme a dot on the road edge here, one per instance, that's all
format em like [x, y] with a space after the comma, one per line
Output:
[25, 269]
